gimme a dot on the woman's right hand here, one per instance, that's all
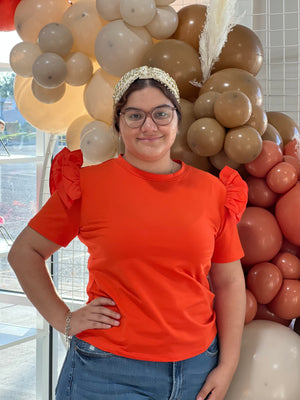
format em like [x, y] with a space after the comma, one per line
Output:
[94, 315]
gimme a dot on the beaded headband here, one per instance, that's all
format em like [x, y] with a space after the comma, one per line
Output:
[145, 72]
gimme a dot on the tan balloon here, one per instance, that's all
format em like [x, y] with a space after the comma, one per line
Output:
[49, 70]
[204, 105]
[164, 23]
[74, 131]
[220, 160]
[22, 57]
[205, 137]
[286, 126]
[79, 69]
[54, 118]
[232, 108]
[32, 15]
[273, 135]
[186, 121]
[183, 152]
[120, 47]
[45, 95]
[109, 10]
[235, 79]
[137, 12]
[243, 144]
[180, 60]
[98, 96]
[55, 38]
[243, 49]
[85, 23]
[258, 120]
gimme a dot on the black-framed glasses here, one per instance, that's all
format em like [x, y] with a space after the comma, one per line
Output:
[135, 118]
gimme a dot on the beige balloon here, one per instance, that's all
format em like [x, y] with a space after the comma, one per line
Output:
[232, 108]
[161, 3]
[137, 12]
[109, 10]
[164, 23]
[49, 70]
[22, 57]
[204, 105]
[79, 69]
[54, 118]
[258, 119]
[220, 160]
[45, 95]
[74, 131]
[120, 47]
[55, 38]
[32, 15]
[243, 144]
[98, 96]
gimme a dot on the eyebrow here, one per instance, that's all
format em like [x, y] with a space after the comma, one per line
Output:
[139, 109]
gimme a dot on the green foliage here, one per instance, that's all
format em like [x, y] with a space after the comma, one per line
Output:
[7, 84]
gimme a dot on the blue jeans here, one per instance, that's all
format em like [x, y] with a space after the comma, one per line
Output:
[92, 374]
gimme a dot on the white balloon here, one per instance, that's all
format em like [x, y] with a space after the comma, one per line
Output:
[79, 69]
[45, 95]
[269, 367]
[164, 24]
[55, 38]
[138, 12]
[161, 3]
[109, 9]
[22, 57]
[49, 70]
[98, 142]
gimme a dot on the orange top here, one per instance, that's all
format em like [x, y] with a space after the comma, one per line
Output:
[151, 239]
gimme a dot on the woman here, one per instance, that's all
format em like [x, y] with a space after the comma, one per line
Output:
[155, 228]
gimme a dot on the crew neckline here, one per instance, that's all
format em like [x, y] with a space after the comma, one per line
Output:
[150, 175]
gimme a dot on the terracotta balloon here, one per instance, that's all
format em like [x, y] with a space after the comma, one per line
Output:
[260, 235]
[286, 303]
[269, 365]
[243, 144]
[293, 148]
[22, 57]
[183, 152]
[74, 131]
[243, 49]
[258, 120]
[286, 126]
[260, 194]
[191, 20]
[290, 248]
[287, 213]
[269, 156]
[282, 177]
[55, 38]
[48, 96]
[187, 118]
[180, 60]
[204, 105]
[273, 135]
[264, 280]
[251, 306]
[205, 137]
[164, 23]
[109, 10]
[235, 79]
[265, 314]
[137, 12]
[289, 265]
[220, 160]
[32, 15]
[293, 161]
[232, 109]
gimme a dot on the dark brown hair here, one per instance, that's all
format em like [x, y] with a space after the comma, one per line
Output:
[140, 84]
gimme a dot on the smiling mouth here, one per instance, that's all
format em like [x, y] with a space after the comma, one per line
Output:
[150, 139]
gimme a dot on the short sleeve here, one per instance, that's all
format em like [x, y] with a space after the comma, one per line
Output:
[227, 244]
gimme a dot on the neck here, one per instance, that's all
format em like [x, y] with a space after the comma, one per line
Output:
[164, 167]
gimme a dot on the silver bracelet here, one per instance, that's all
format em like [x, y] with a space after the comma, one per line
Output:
[68, 327]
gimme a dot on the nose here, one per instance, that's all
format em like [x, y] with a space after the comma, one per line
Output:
[149, 124]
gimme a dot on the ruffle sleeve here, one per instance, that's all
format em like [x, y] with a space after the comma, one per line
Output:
[236, 192]
[65, 175]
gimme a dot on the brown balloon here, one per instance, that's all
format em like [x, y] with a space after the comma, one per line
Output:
[265, 314]
[289, 265]
[204, 105]
[180, 60]
[220, 159]
[232, 108]
[290, 248]
[258, 120]
[187, 118]
[235, 79]
[286, 303]
[286, 126]
[259, 193]
[191, 20]
[251, 306]
[243, 49]
[272, 134]
[269, 156]
[243, 144]
[184, 153]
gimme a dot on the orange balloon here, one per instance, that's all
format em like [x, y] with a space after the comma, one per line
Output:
[251, 306]
[269, 156]
[232, 108]
[286, 126]
[243, 144]
[259, 193]
[235, 79]
[272, 134]
[286, 303]
[287, 213]
[180, 60]
[258, 120]
[260, 235]
[293, 161]
[264, 280]
[289, 265]
[243, 49]
[282, 177]
[191, 20]
[264, 313]
[204, 105]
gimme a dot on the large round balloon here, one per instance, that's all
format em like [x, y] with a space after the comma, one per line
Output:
[53, 118]
[180, 60]
[191, 20]
[32, 15]
[287, 212]
[282, 177]
[235, 79]
[232, 108]
[286, 126]
[243, 144]
[259, 193]
[269, 156]
[7, 11]
[260, 235]
[289, 265]
[243, 49]
[120, 47]
[269, 366]
[164, 23]
[22, 57]
[286, 303]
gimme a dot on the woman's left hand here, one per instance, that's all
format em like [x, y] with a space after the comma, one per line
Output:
[216, 384]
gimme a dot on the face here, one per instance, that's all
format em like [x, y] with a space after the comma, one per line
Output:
[150, 142]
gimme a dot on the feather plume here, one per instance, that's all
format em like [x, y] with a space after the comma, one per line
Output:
[220, 20]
